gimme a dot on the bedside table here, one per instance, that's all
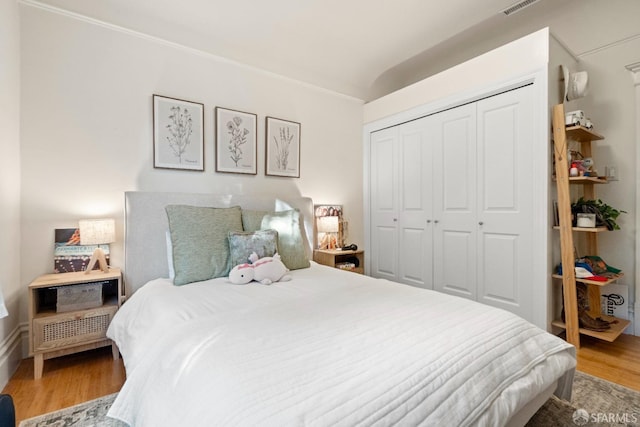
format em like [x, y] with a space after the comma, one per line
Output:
[59, 325]
[334, 258]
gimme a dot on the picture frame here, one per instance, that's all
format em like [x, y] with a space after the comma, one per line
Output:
[178, 134]
[236, 141]
[282, 141]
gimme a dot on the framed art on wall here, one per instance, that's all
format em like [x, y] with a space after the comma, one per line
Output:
[283, 148]
[178, 134]
[236, 141]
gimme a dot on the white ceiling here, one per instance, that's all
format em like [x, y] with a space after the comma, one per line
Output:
[361, 48]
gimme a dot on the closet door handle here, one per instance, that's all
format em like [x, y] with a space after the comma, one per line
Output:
[480, 223]
[428, 221]
[395, 219]
[436, 221]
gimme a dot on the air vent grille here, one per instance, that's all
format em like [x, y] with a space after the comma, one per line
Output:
[518, 7]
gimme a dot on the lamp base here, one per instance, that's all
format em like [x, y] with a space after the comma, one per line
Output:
[97, 257]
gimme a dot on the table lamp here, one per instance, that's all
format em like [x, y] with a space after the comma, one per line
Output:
[97, 232]
[330, 226]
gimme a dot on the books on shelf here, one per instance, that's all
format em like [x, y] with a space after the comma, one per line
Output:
[69, 255]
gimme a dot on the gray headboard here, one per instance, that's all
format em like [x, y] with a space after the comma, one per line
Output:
[145, 256]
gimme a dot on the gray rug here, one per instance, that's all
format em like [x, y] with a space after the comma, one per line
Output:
[595, 402]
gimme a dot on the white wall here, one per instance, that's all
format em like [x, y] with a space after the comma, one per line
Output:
[519, 57]
[10, 187]
[611, 105]
[87, 128]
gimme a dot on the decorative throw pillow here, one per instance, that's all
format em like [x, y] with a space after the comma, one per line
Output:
[252, 220]
[242, 244]
[199, 236]
[290, 241]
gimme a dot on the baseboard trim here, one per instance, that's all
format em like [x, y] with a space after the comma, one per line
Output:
[11, 352]
[634, 315]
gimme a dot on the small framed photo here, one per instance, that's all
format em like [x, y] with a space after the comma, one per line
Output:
[178, 134]
[283, 148]
[236, 141]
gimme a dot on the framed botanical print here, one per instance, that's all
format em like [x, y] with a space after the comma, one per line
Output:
[178, 134]
[283, 148]
[236, 141]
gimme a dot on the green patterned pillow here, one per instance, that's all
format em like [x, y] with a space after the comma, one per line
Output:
[199, 236]
[242, 244]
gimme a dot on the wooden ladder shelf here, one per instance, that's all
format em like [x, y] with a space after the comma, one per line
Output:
[560, 149]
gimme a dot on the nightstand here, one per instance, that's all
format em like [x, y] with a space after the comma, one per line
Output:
[58, 322]
[341, 259]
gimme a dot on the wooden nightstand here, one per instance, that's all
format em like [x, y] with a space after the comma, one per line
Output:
[334, 258]
[53, 333]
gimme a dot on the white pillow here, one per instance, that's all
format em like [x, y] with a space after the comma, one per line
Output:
[172, 272]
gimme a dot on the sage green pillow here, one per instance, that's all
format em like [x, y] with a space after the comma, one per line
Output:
[252, 220]
[290, 241]
[199, 236]
[244, 243]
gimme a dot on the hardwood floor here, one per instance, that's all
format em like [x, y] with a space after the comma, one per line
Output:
[618, 361]
[66, 381]
[73, 379]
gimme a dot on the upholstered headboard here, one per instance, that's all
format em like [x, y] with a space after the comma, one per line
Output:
[146, 226]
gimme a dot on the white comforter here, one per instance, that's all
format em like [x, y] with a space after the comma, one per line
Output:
[328, 348]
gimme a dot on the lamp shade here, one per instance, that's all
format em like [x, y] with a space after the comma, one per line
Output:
[328, 224]
[97, 231]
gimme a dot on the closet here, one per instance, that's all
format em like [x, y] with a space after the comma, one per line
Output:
[451, 201]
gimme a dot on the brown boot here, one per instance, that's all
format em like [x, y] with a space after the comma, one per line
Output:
[588, 322]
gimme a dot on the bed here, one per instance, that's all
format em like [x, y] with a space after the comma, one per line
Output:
[327, 348]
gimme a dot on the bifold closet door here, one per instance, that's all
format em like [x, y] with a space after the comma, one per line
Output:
[505, 201]
[401, 199]
[384, 204]
[415, 204]
[455, 226]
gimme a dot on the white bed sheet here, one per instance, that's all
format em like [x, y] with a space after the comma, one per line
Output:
[327, 348]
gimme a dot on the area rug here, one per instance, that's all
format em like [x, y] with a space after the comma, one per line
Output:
[594, 402]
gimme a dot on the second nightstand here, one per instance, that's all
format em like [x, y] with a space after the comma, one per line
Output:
[341, 259]
[54, 332]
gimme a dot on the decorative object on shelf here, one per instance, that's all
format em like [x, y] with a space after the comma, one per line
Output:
[605, 215]
[283, 148]
[586, 220]
[178, 134]
[69, 255]
[236, 141]
[97, 232]
[576, 84]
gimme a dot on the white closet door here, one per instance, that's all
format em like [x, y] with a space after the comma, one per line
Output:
[384, 204]
[505, 201]
[415, 204]
[455, 227]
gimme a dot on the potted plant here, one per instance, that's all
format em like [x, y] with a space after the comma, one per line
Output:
[605, 215]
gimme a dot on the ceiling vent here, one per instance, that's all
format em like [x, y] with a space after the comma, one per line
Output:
[518, 6]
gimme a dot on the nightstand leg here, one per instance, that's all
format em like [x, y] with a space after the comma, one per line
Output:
[38, 364]
[115, 351]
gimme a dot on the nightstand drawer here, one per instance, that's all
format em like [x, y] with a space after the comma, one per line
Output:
[69, 329]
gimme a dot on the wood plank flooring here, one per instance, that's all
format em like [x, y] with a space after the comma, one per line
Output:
[80, 377]
[66, 381]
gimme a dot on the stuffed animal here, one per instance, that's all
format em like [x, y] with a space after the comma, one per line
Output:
[264, 270]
